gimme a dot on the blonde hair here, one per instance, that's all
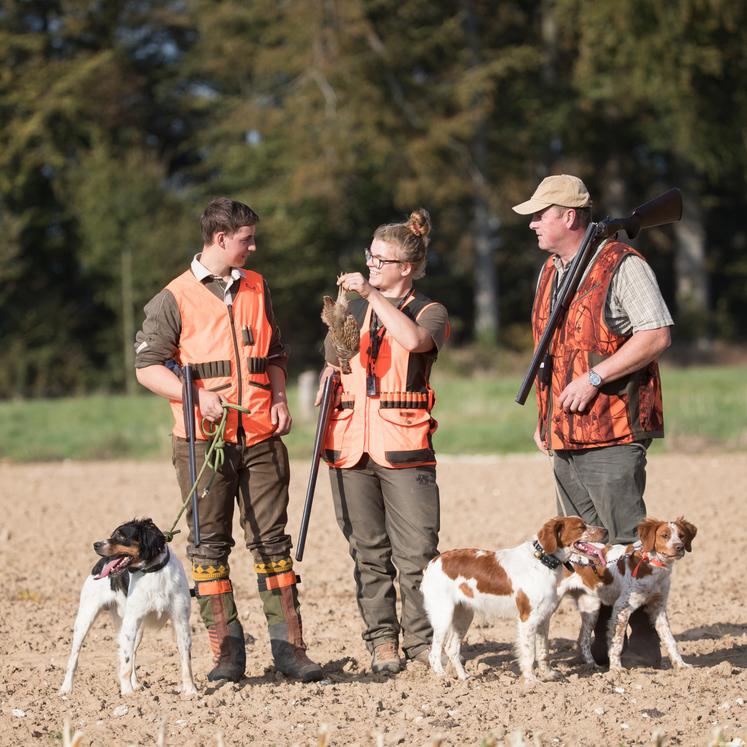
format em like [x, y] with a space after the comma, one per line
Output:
[411, 237]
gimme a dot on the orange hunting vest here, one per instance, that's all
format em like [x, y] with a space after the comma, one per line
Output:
[227, 345]
[625, 410]
[394, 427]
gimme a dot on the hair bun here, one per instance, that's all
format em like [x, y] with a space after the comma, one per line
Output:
[419, 223]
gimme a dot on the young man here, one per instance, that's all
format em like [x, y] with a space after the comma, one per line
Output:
[600, 404]
[218, 317]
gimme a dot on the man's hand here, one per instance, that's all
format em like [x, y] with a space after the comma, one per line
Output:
[211, 407]
[354, 281]
[281, 418]
[541, 445]
[577, 395]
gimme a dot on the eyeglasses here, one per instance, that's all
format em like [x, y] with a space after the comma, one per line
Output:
[379, 262]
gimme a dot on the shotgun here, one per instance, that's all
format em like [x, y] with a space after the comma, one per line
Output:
[325, 408]
[664, 209]
[189, 426]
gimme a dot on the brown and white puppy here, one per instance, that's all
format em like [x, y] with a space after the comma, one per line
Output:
[628, 578]
[519, 582]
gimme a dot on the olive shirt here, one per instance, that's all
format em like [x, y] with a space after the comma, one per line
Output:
[158, 340]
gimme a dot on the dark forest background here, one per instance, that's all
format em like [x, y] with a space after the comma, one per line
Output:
[119, 120]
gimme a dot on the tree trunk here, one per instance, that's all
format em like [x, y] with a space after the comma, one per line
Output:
[691, 278]
[128, 321]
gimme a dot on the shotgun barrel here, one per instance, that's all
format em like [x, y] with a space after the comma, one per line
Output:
[325, 408]
[189, 425]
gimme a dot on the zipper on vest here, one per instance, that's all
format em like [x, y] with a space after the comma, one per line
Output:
[240, 427]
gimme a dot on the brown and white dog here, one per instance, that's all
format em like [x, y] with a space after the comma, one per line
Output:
[637, 577]
[520, 582]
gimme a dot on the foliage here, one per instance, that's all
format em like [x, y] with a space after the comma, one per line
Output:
[118, 120]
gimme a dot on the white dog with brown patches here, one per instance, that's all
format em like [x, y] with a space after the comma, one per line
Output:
[519, 582]
[636, 577]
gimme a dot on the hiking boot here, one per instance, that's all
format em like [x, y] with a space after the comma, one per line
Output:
[599, 645]
[230, 663]
[385, 659]
[643, 644]
[420, 658]
[292, 661]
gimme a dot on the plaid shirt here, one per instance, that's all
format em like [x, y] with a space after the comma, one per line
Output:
[634, 302]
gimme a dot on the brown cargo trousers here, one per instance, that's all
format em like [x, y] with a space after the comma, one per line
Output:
[390, 518]
[253, 477]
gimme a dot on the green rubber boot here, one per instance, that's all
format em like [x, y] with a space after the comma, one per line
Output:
[218, 612]
[279, 595]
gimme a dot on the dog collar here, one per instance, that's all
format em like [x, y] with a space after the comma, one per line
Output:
[646, 558]
[153, 568]
[549, 560]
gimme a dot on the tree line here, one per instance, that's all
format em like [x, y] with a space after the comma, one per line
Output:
[120, 119]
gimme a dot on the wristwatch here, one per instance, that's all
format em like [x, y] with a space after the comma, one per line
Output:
[595, 379]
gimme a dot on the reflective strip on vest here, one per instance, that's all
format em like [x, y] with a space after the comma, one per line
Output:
[395, 427]
[624, 410]
[226, 352]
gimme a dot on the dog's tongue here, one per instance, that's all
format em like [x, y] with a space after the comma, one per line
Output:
[111, 565]
[592, 551]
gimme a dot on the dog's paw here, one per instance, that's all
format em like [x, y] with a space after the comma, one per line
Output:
[188, 693]
[65, 689]
[549, 675]
[679, 665]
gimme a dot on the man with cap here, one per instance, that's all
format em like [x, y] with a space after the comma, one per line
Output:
[599, 391]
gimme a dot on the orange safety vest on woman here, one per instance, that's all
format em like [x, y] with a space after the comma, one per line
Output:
[625, 410]
[227, 347]
[394, 426]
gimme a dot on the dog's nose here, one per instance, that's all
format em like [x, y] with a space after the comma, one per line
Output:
[677, 545]
[97, 545]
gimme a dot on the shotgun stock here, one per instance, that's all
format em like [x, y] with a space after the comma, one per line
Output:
[325, 408]
[662, 210]
[189, 425]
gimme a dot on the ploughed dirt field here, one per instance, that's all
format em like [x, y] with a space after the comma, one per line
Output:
[51, 513]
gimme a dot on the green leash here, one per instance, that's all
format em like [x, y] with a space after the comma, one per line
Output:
[214, 458]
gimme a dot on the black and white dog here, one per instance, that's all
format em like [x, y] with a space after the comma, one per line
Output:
[140, 582]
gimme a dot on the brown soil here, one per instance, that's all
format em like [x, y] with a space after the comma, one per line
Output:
[51, 513]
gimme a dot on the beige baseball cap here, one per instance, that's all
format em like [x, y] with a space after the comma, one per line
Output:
[562, 189]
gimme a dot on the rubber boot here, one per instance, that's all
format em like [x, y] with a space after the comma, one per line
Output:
[279, 595]
[599, 644]
[218, 612]
[643, 643]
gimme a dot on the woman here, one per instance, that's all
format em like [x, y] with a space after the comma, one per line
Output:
[378, 445]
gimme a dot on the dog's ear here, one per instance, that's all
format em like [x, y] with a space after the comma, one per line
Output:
[152, 540]
[549, 534]
[647, 533]
[688, 532]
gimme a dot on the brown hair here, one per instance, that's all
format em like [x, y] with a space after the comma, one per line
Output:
[225, 214]
[411, 237]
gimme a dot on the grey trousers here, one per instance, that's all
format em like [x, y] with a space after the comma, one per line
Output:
[390, 518]
[604, 487]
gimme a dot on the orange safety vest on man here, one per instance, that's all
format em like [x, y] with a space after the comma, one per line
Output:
[394, 426]
[227, 347]
[625, 410]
